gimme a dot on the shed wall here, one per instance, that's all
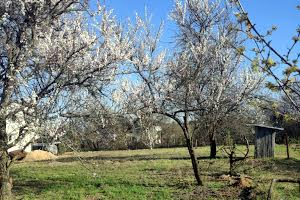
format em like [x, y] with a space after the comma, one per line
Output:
[264, 142]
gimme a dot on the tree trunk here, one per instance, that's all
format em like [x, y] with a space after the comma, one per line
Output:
[231, 163]
[5, 179]
[189, 144]
[7, 91]
[213, 147]
[192, 156]
[194, 162]
[185, 130]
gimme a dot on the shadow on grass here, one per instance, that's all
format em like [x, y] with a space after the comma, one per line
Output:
[41, 187]
[279, 165]
[35, 187]
[132, 158]
[292, 164]
[120, 158]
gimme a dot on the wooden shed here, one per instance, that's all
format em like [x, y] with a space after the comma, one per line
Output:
[265, 140]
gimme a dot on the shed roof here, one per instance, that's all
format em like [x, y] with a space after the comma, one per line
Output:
[264, 126]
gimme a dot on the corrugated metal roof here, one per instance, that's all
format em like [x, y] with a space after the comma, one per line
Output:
[264, 126]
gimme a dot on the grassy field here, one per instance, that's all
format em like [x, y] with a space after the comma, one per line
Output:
[150, 174]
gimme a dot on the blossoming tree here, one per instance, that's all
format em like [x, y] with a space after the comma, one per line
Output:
[200, 77]
[50, 50]
[210, 39]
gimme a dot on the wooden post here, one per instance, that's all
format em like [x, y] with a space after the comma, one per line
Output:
[287, 145]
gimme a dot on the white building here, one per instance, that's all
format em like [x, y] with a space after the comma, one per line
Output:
[14, 126]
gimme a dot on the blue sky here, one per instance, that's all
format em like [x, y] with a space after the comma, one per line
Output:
[282, 13]
[158, 9]
[264, 13]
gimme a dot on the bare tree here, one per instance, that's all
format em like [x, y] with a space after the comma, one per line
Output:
[231, 150]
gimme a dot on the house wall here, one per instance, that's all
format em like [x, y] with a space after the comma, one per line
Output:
[13, 126]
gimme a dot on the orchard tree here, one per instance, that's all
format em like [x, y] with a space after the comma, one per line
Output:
[49, 50]
[192, 81]
[267, 58]
[210, 38]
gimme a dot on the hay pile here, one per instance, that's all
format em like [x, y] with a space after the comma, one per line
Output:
[39, 155]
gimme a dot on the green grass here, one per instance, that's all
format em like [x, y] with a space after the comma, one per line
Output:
[149, 174]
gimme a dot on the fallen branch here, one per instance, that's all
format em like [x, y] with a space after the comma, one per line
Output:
[282, 180]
